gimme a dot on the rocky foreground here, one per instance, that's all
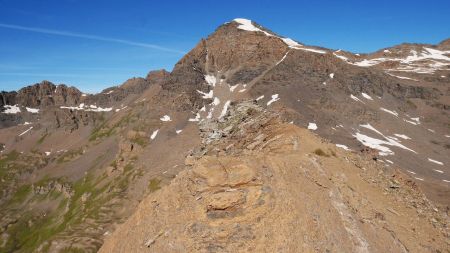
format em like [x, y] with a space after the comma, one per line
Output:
[260, 185]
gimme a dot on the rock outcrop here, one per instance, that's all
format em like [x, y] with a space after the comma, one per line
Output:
[273, 187]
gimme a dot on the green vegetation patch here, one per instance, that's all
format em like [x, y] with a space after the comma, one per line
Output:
[70, 155]
[154, 184]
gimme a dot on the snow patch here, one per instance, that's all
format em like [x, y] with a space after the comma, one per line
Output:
[225, 109]
[332, 75]
[247, 25]
[197, 118]
[341, 57]
[439, 171]
[312, 50]
[355, 98]
[274, 99]
[26, 131]
[165, 118]
[211, 80]
[232, 88]
[216, 101]
[402, 136]
[153, 136]
[378, 144]
[389, 111]
[435, 161]
[282, 59]
[206, 95]
[403, 77]
[366, 96]
[32, 110]
[312, 126]
[343, 147]
[178, 131]
[291, 43]
[262, 96]
[11, 109]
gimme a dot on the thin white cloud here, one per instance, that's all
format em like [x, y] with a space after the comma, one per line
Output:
[90, 37]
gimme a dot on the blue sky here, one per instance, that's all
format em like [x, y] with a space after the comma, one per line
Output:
[96, 44]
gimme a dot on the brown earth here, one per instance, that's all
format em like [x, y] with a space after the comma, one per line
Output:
[280, 188]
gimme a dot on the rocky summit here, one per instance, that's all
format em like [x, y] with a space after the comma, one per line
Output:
[254, 142]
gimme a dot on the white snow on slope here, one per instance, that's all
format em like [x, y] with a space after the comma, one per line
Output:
[417, 120]
[378, 144]
[414, 61]
[178, 131]
[119, 109]
[90, 108]
[197, 118]
[355, 98]
[26, 131]
[211, 80]
[374, 143]
[260, 97]
[225, 109]
[403, 77]
[32, 110]
[439, 171]
[291, 43]
[402, 136]
[232, 88]
[366, 96]
[312, 126]
[370, 127]
[153, 136]
[165, 118]
[341, 57]
[47, 153]
[99, 109]
[389, 111]
[274, 99]
[206, 95]
[247, 25]
[282, 59]
[312, 50]
[434, 161]
[11, 109]
[343, 147]
[216, 101]
[332, 75]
